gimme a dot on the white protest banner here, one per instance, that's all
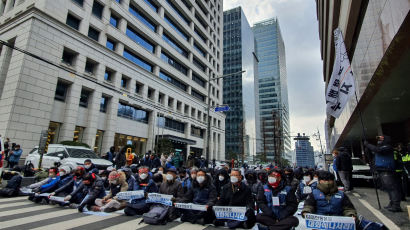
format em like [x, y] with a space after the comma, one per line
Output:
[341, 84]
[230, 213]
[58, 199]
[43, 195]
[26, 190]
[191, 206]
[329, 222]
[131, 195]
[159, 199]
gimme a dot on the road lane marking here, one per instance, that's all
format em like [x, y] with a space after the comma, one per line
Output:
[35, 218]
[356, 194]
[386, 221]
[14, 204]
[128, 225]
[24, 210]
[13, 199]
[189, 226]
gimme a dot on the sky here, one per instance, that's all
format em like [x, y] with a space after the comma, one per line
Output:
[299, 27]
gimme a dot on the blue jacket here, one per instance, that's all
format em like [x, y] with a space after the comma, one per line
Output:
[333, 207]
[132, 183]
[282, 199]
[384, 155]
[299, 193]
[147, 187]
[15, 157]
[334, 165]
[51, 184]
[64, 180]
[204, 195]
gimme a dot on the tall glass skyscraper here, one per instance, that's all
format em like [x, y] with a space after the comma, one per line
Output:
[242, 134]
[304, 152]
[273, 92]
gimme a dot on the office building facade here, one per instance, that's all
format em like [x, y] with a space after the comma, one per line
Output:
[273, 93]
[305, 156]
[242, 131]
[125, 70]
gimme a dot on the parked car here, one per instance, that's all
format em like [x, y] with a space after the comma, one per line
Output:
[361, 170]
[66, 155]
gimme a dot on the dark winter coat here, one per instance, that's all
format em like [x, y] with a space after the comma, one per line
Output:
[344, 162]
[120, 159]
[91, 192]
[236, 196]
[219, 184]
[204, 195]
[383, 155]
[174, 188]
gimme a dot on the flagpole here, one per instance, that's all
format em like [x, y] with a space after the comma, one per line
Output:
[364, 138]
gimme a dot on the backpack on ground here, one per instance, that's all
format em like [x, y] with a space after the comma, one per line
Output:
[369, 225]
[156, 215]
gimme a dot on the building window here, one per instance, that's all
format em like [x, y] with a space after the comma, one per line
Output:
[174, 45]
[200, 51]
[151, 4]
[139, 39]
[90, 66]
[53, 132]
[79, 2]
[68, 57]
[197, 95]
[97, 9]
[134, 58]
[138, 143]
[197, 132]
[110, 44]
[73, 22]
[199, 64]
[138, 88]
[137, 13]
[104, 104]
[130, 112]
[172, 80]
[85, 95]
[150, 93]
[119, 1]
[114, 20]
[176, 28]
[78, 134]
[124, 82]
[108, 75]
[202, 37]
[198, 80]
[93, 33]
[171, 61]
[61, 91]
[99, 139]
[172, 124]
[185, 19]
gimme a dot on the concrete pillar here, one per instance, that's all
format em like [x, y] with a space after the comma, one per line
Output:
[161, 11]
[5, 58]
[111, 124]
[93, 115]
[152, 129]
[160, 30]
[122, 25]
[9, 5]
[2, 8]
[156, 70]
[71, 111]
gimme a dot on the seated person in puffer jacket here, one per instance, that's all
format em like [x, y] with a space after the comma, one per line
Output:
[46, 185]
[174, 188]
[132, 184]
[91, 188]
[13, 185]
[202, 192]
[110, 203]
[306, 186]
[72, 186]
[278, 202]
[327, 200]
[65, 178]
[145, 183]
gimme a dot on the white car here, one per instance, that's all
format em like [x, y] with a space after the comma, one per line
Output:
[66, 155]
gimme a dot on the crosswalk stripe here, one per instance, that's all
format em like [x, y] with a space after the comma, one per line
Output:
[11, 204]
[189, 226]
[22, 210]
[7, 200]
[129, 225]
[89, 219]
[25, 220]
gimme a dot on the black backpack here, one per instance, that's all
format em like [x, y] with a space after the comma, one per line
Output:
[156, 215]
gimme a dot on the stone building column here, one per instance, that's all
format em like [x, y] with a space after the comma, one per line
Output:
[71, 111]
[93, 115]
[111, 124]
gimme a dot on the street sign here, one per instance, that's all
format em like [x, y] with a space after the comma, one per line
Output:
[222, 108]
[43, 145]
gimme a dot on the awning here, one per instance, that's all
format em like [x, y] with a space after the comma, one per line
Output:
[177, 139]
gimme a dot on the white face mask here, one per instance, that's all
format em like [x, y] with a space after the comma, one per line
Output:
[271, 180]
[193, 176]
[169, 177]
[143, 176]
[315, 179]
[306, 178]
[87, 166]
[221, 178]
[62, 173]
[234, 179]
[103, 178]
[160, 172]
[200, 179]
[114, 182]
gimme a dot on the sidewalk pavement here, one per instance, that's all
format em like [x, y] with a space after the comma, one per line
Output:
[365, 202]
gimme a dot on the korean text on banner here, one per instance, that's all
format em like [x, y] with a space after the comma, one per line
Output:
[191, 206]
[230, 213]
[329, 222]
[159, 199]
[131, 195]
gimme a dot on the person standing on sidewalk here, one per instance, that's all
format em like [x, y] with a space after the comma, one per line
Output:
[385, 166]
[344, 167]
[15, 156]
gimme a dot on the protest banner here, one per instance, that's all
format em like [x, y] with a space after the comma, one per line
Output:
[191, 206]
[131, 195]
[329, 222]
[230, 213]
[159, 199]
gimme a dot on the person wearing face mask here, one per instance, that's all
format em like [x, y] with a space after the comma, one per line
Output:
[290, 178]
[145, 183]
[278, 203]
[174, 188]
[110, 203]
[385, 166]
[14, 156]
[47, 185]
[327, 200]
[306, 186]
[202, 192]
[237, 193]
[91, 188]
[252, 181]
[65, 179]
[132, 184]
[222, 178]
[75, 185]
[90, 167]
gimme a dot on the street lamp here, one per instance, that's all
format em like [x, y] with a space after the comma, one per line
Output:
[208, 131]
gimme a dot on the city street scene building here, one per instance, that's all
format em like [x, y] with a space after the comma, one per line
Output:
[376, 35]
[304, 152]
[273, 91]
[138, 71]
[242, 129]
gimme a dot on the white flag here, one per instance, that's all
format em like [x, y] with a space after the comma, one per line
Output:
[341, 85]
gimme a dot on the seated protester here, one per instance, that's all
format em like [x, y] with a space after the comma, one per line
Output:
[202, 192]
[104, 177]
[65, 179]
[174, 188]
[90, 167]
[290, 178]
[158, 179]
[327, 200]
[237, 193]
[187, 182]
[132, 184]
[278, 203]
[222, 178]
[306, 186]
[252, 181]
[262, 176]
[13, 185]
[91, 188]
[72, 185]
[145, 183]
[50, 185]
[110, 203]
